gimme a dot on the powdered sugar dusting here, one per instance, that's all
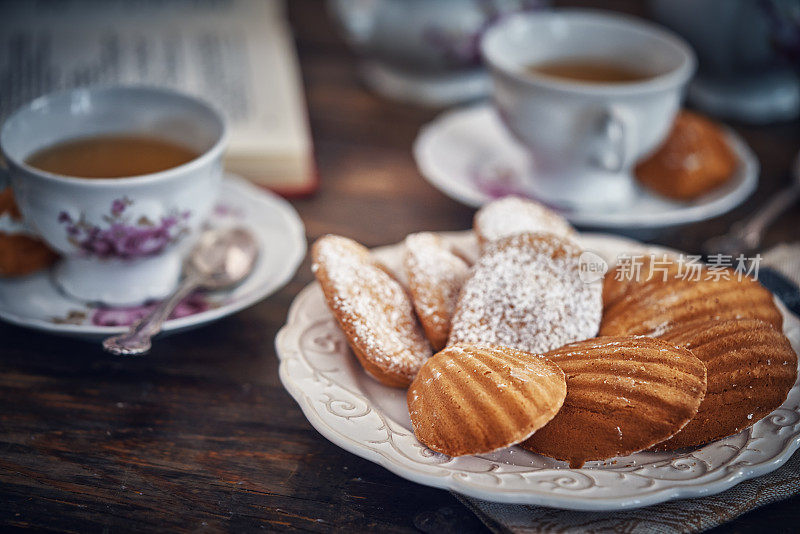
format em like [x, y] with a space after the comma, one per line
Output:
[373, 309]
[435, 277]
[525, 293]
[514, 215]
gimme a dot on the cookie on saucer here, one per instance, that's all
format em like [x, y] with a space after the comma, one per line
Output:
[21, 253]
[693, 160]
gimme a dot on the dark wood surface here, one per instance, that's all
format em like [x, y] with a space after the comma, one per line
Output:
[200, 435]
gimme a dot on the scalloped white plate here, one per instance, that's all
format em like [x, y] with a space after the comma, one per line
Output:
[469, 155]
[35, 302]
[371, 420]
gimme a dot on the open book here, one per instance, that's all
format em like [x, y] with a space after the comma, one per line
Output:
[238, 54]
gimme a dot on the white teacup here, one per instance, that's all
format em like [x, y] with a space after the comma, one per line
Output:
[585, 137]
[122, 239]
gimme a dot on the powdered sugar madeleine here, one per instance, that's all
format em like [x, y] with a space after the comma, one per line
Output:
[655, 306]
[751, 368]
[624, 394]
[515, 215]
[525, 292]
[435, 276]
[475, 399]
[372, 308]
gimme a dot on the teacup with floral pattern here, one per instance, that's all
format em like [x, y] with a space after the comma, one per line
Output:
[122, 239]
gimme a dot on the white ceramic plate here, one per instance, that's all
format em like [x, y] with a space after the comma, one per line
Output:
[368, 419]
[469, 155]
[34, 301]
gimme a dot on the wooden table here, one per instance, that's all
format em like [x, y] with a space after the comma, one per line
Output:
[200, 435]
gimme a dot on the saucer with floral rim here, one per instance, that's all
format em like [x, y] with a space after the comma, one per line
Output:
[469, 155]
[35, 301]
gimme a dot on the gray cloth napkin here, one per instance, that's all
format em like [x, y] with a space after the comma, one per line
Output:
[781, 274]
[673, 517]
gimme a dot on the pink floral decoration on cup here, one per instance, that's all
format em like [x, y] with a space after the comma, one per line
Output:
[123, 238]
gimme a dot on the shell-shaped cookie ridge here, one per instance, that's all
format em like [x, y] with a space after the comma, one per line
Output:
[624, 394]
[472, 399]
[751, 367]
[655, 307]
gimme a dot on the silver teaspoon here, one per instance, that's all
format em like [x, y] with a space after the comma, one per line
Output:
[746, 236]
[219, 259]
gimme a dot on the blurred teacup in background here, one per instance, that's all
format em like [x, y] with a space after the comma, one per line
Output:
[588, 93]
[423, 51]
[117, 180]
[748, 53]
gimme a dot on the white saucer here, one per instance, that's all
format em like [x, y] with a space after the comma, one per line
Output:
[442, 89]
[371, 420]
[35, 302]
[469, 155]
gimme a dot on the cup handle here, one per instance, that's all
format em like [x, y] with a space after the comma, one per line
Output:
[617, 150]
[357, 18]
[4, 177]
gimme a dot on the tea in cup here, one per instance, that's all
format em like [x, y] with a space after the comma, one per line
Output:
[588, 93]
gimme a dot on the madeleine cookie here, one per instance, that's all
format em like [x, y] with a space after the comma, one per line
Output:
[372, 309]
[656, 306]
[473, 399]
[751, 368]
[21, 253]
[525, 292]
[619, 281]
[435, 276]
[514, 215]
[693, 160]
[624, 394]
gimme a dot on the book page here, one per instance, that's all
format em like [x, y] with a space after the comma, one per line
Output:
[237, 54]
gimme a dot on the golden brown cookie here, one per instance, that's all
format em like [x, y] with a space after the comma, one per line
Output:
[473, 399]
[514, 215]
[619, 281]
[653, 307]
[624, 394]
[693, 160]
[372, 309]
[20, 253]
[8, 206]
[751, 368]
[435, 276]
[525, 292]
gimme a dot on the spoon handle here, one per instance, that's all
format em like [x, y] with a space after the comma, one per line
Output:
[752, 230]
[136, 340]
